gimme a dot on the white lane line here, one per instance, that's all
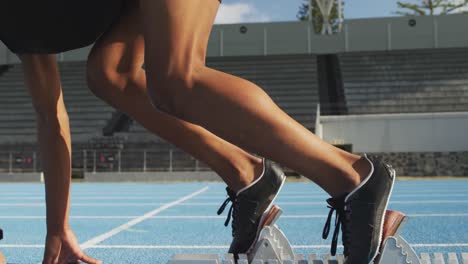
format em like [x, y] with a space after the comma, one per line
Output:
[98, 198]
[413, 245]
[429, 202]
[152, 197]
[289, 194]
[217, 204]
[23, 204]
[135, 221]
[83, 204]
[307, 216]
[279, 203]
[216, 246]
[441, 245]
[438, 215]
[20, 246]
[323, 203]
[162, 246]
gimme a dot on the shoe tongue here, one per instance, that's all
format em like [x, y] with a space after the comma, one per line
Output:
[230, 192]
[337, 202]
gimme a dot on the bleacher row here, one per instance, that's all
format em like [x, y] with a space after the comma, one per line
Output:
[433, 80]
[88, 115]
[374, 82]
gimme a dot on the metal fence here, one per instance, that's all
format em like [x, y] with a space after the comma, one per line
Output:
[12, 162]
[107, 160]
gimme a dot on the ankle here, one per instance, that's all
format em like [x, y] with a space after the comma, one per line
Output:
[359, 170]
[252, 172]
[363, 168]
[247, 173]
[258, 165]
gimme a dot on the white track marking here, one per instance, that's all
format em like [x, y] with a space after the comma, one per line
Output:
[429, 202]
[309, 216]
[23, 204]
[441, 245]
[290, 193]
[84, 204]
[210, 197]
[323, 203]
[21, 246]
[213, 246]
[163, 246]
[437, 215]
[135, 221]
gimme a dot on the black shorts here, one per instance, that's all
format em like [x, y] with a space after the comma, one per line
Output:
[54, 26]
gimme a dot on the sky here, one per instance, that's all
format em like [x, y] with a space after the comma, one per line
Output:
[238, 11]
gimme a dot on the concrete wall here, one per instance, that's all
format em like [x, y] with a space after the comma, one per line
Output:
[297, 37]
[426, 164]
[428, 132]
[152, 176]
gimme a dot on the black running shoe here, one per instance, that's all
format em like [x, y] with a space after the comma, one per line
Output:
[251, 205]
[361, 214]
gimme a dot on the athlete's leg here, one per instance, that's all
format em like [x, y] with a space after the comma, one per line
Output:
[179, 82]
[176, 37]
[43, 82]
[116, 76]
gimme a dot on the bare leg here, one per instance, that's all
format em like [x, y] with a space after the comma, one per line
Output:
[115, 75]
[179, 82]
[43, 81]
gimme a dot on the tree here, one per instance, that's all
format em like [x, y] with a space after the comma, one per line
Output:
[432, 7]
[317, 19]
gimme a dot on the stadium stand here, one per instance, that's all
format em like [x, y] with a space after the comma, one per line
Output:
[430, 80]
[88, 115]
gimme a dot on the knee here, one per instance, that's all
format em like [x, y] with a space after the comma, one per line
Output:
[99, 76]
[106, 79]
[172, 91]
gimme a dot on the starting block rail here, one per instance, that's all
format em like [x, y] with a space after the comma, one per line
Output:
[272, 247]
[424, 258]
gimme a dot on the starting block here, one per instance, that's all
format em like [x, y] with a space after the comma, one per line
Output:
[272, 247]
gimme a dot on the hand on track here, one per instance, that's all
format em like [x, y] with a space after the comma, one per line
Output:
[63, 248]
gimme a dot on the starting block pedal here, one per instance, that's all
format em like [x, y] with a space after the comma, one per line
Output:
[395, 249]
[273, 247]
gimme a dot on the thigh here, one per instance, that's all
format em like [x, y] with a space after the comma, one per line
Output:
[176, 33]
[121, 48]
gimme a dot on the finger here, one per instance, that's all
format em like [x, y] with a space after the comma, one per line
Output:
[89, 260]
[50, 260]
[64, 257]
[51, 254]
[73, 260]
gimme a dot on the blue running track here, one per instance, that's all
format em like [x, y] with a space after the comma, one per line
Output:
[181, 218]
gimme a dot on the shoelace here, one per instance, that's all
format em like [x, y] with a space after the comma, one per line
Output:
[232, 210]
[341, 221]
